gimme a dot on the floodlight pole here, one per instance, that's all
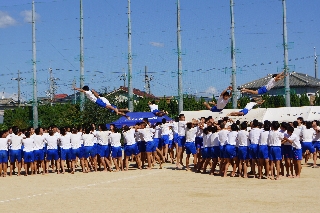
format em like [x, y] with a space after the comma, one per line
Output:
[34, 62]
[233, 58]
[130, 88]
[180, 93]
[285, 47]
[315, 63]
[81, 58]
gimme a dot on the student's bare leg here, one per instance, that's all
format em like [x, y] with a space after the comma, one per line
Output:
[126, 164]
[214, 164]
[179, 154]
[187, 162]
[165, 151]
[149, 155]
[244, 90]
[314, 155]
[298, 162]
[207, 105]
[228, 162]
[288, 166]
[245, 169]
[235, 165]
[278, 169]
[240, 167]
[157, 158]
[120, 161]
[62, 166]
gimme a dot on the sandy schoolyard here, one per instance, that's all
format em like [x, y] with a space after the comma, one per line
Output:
[166, 190]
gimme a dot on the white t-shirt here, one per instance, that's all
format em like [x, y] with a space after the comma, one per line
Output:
[317, 135]
[165, 128]
[254, 135]
[175, 127]
[157, 132]
[232, 138]
[295, 141]
[206, 140]
[129, 137]
[243, 138]
[4, 144]
[115, 139]
[199, 132]
[223, 137]
[65, 141]
[270, 84]
[88, 139]
[275, 138]
[263, 140]
[52, 142]
[90, 96]
[182, 125]
[153, 107]
[297, 131]
[147, 134]
[214, 139]
[103, 137]
[170, 134]
[191, 134]
[39, 141]
[76, 141]
[28, 144]
[16, 142]
[104, 100]
[307, 135]
[138, 136]
[221, 103]
[250, 105]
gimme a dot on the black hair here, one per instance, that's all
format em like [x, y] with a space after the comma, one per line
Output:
[243, 125]
[234, 127]
[206, 130]
[153, 102]
[220, 121]
[225, 119]
[15, 130]
[209, 117]
[50, 132]
[126, 128]
[85, 88]
[222, 125]
[284, 125]
[255, 123]
[237, 122]
[226, 93]
[295, 124]
[74, 130]
[176, 119]
[266, 126]
[252, 100]
[145, 120]
[63, 131]
[158, 123]
[300, 118]
[275, 125]
[189, 125]
[164, 120]
[181, 115]
[274, 75]
[308, 124]
[88, 130]
[27, 134]
[37, 131]
[103, 127]
[214, 129]
[290, 129]
[260, 125]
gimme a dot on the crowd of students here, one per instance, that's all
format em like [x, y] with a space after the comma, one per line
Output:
[274, 148]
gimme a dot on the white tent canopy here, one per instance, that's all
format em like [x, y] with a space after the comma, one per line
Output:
[281, 114]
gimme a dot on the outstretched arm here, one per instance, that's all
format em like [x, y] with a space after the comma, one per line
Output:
[280, 76]
[228, 88]
[78, 89]
[260, 102]
[95, 93]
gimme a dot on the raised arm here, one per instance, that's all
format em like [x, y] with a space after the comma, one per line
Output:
[228, 88]
[78, 89]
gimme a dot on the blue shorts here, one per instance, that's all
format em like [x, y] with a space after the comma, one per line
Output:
[263, 152]
[275, 153]
[165, 139]
[38, 155]
[175, 137]
[230, 151]
[316, 145]
[297, 154]
[131, 150]
[100, 103]
[15, 155]
[89, 151]
[199, 142]
[104, 151]
[206, 152]
[243, 153]
[65, 154]
[76, 153]
[307, 146]
[116, 152]
[151, 146]
[262, 90]
[156, 142]
[28, 157]
[214, 109]
[287, 151]
[215, 151]
[52, 154]
[170, 144]
[181, 141]
[142, 146]
[253, 151]
[222, 150]
[245, 111]
[155, 111]
[190, 148]
[3, 156]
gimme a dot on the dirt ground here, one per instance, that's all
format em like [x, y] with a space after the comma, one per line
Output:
[166, 190]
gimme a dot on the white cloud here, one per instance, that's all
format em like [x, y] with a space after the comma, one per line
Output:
[211, 91]
[156, 44]
[27, 16]
[6, 20]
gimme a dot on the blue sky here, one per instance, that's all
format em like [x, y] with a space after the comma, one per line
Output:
[205, 36]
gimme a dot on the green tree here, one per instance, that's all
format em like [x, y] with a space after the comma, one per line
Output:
[317, 99]
[304, 100]
[294, 100]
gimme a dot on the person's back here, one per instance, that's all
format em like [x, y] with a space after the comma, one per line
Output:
[115, 139]
[65, 141]
[232, 138]
[75, 140]
[243, 138]
[39, 141]
[263, 139]
[275, 138]
[254, 135]
[88, 139]
[16, 141]
[129, 137]
[223, 136]
[52, 142]
[307, 135]
[191, 134]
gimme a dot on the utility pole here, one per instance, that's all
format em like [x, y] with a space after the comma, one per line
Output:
[123, 78]
[180, 93]
[315, 63]
[19, 91]
[147, 80]
[285, 48]
[74, 91]
[34, 62]
[130, 88]
[81, 58]
[233, 58]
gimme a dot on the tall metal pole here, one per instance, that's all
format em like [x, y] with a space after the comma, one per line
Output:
[34, 62]
[130, 88]
[19, 91]
[81, 58]
[285, 47]
[146, 79]
[315, 63]
[51, 80]
[180, 93]
[233, 58]
[74, 91]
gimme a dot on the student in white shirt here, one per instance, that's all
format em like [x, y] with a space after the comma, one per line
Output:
[39, 141]
[247, 108]
[165, 131]
[222, 101]
[52, 152]
[28, 155]
[132, 147]
[275, 155]
[286, 150]
[76, 149]
[15, 150]
[88, 150]
[308, 134]
[190, 145]
[65, 148]
[171, 144]
[215, 148]
[205, 150]
[223, 139]
[254, 135]
[230, 151]
[263, 150]
[4, 142]
[297, 152]
[154, 109]
[115, 139]
[264, 89]
[181, 140]
[103, 147]
[243, 150]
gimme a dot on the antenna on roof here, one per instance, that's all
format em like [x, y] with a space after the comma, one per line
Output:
[315, 63]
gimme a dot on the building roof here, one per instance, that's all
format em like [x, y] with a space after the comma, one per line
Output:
[136, 92]
[296, 80]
